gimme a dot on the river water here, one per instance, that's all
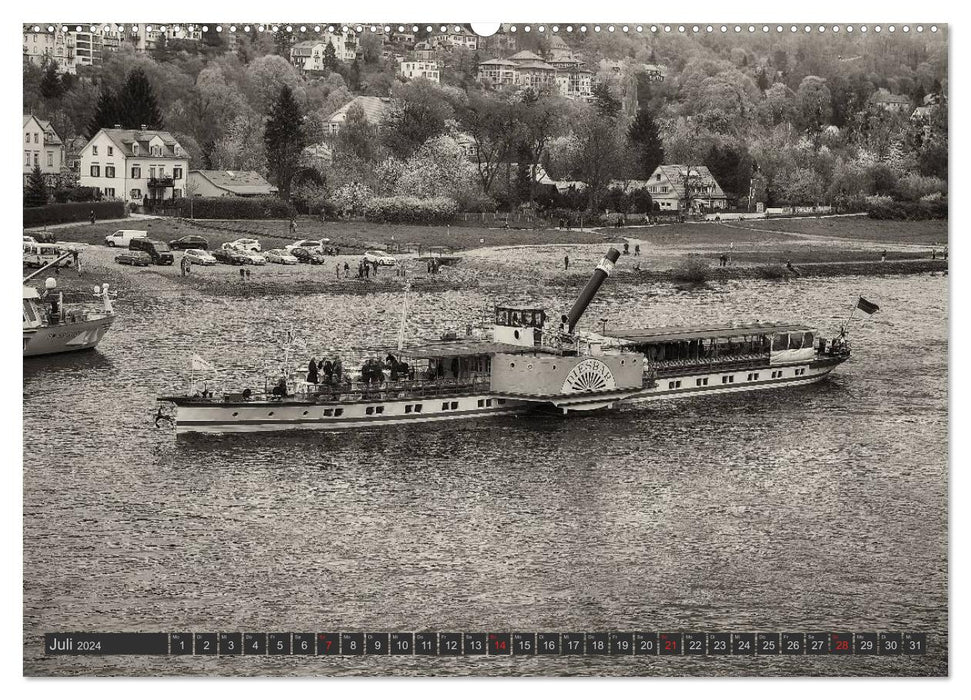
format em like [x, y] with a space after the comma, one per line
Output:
[821, 508]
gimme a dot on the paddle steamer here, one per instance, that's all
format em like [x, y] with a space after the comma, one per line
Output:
[526, 365]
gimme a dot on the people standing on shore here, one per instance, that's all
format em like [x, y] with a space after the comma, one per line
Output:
[347, 270]
[883, 256]
[566, 262]
[637, 249]
[92, 217]
[337, 270]
[723, 260]
[626, 248]
[293, 226]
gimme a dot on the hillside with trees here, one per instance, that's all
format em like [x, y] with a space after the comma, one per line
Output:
[779, 118]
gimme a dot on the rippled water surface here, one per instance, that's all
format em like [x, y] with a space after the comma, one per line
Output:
[809, 509]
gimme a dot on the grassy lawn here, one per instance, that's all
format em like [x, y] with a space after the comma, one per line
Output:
[861, 228]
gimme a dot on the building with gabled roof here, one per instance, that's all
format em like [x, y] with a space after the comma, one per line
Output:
[462, 37]
[228, 183]
[135, 165]
[43, 148]
[891, 102]
[529, 70]
[680, 188]
[375, 109]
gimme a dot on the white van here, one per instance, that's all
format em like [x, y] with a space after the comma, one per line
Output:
[40, 254]
[122, 237]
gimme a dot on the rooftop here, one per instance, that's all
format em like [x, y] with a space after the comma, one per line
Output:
[124, 138]
[462, 347]
[374, 108]
[666, 334]
[241, 182]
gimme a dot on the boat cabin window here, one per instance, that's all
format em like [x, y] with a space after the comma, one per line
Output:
[29, 314]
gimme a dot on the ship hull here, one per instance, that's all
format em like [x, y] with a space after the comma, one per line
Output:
[693, 383]
[196, 415]
[65, 337]
[270, 416]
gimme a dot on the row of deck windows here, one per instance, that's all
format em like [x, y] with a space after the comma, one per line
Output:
[730, 378]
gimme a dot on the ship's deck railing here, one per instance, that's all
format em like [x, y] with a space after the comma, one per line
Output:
[354, 391]
[725, 362]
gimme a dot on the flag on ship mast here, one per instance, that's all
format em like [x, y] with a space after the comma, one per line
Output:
[867, 307]
[198, 364]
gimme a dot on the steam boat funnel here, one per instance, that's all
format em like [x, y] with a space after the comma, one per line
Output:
[590, 291]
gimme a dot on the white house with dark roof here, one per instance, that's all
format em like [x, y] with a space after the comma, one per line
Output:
[43, 148]
[668, 185]
[135, 165]
[228, 183]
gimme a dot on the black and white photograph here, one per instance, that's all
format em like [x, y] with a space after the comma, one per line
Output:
[453, 349]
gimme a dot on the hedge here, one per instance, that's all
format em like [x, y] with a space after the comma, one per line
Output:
[411, 210]
[908, 211]
[234, 208]
[73, 211]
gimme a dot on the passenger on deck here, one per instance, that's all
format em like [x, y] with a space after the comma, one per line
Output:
[281, 387]
[312, 376]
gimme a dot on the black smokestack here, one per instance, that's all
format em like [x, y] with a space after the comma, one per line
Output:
[589, 292]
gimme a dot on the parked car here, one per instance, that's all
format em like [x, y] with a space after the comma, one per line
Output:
[310, 244]
[139, 258]
[230, 256]
[186, 242]
[198, 256]
[278, 255]
[157, 250]
[253, 258]
[380, 257]
[122, 238]
[307, 255]
[41, 237]
[30, 239]
[250, 244]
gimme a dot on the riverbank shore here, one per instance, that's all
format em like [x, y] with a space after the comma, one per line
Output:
[684, 254]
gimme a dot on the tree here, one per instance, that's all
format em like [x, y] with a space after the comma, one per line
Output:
[594, 151]
[606, 104]
[814, 105]
[540, 117]
[645, 140]
[106, 114]
[35, 192]
[731, 167]
[358, 138]
[285, 140]
[490, 120]
[50, 85]
[418, 112]
[762, 80]
[330, 57]
[282, 41]
[137, 105]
